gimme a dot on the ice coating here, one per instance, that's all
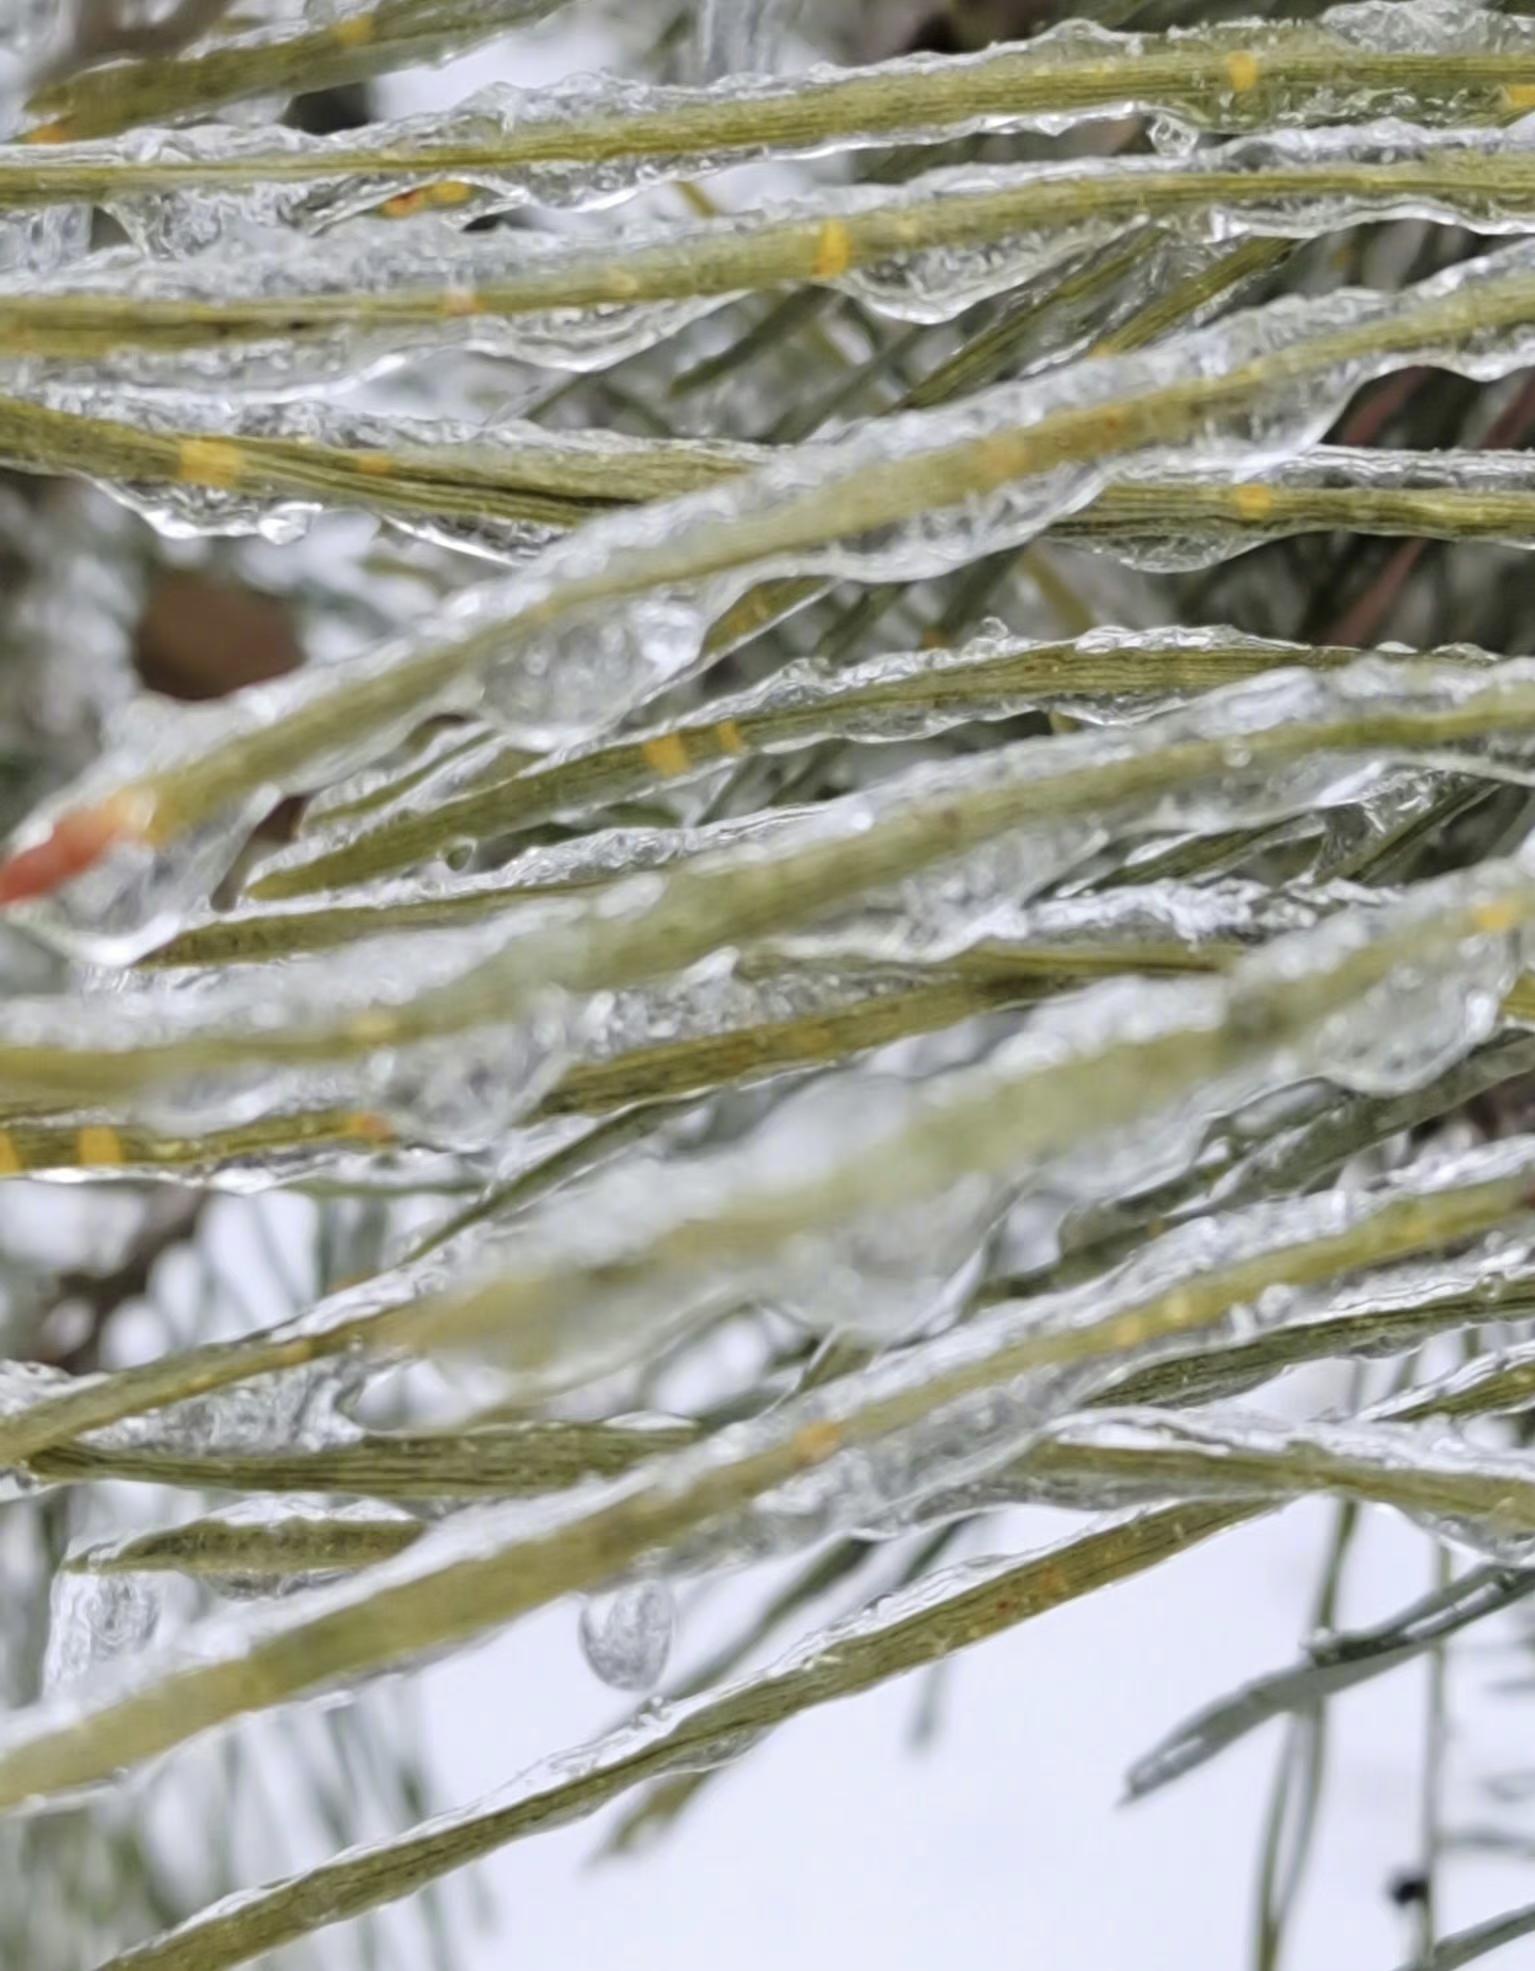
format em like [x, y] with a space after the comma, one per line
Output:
[467, 1027]
[862, 1274]
[1013, 817]
[317, 310]
[256, 1546]
[984, 901]
[269, 308]
[325, 46]
[915, 494]
[902, 1631]
[234, 1056]
[1155, 924]
[129, 892]
[33, 243]
[1179, 1030]
[93, 1622]
[1057, 780]
[590, 140]
[505, 489]
[1102, 677]
[807, 1002]
[1183, 925]
[502, 487]
[582, 1290]
[1202, 517]
[1480, 1498]
[755, 1100]
[843, 1456]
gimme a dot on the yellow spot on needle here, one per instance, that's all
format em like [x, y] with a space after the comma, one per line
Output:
[11, 1164]
[730, 737]
[355, 32]
[99, 1143]
[816, 1442]
[833, 251]
[1005, 455]
[370, 1127]
[135, 814]
[452, 191]
[667, 754]
[1253, 502]
[209, 462]
[1520, 95]
[1243, 70]
[1494, 918]
[372, 1029]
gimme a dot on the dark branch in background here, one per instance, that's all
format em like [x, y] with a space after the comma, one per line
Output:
[171, 1220]
[1366, 618]
[100, 32]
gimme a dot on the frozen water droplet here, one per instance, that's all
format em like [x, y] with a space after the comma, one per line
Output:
[626, 1637]
[24, 1383]
[96, 1619]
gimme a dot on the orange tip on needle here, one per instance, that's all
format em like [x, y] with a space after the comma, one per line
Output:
[75, 843]
[371, 1128]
